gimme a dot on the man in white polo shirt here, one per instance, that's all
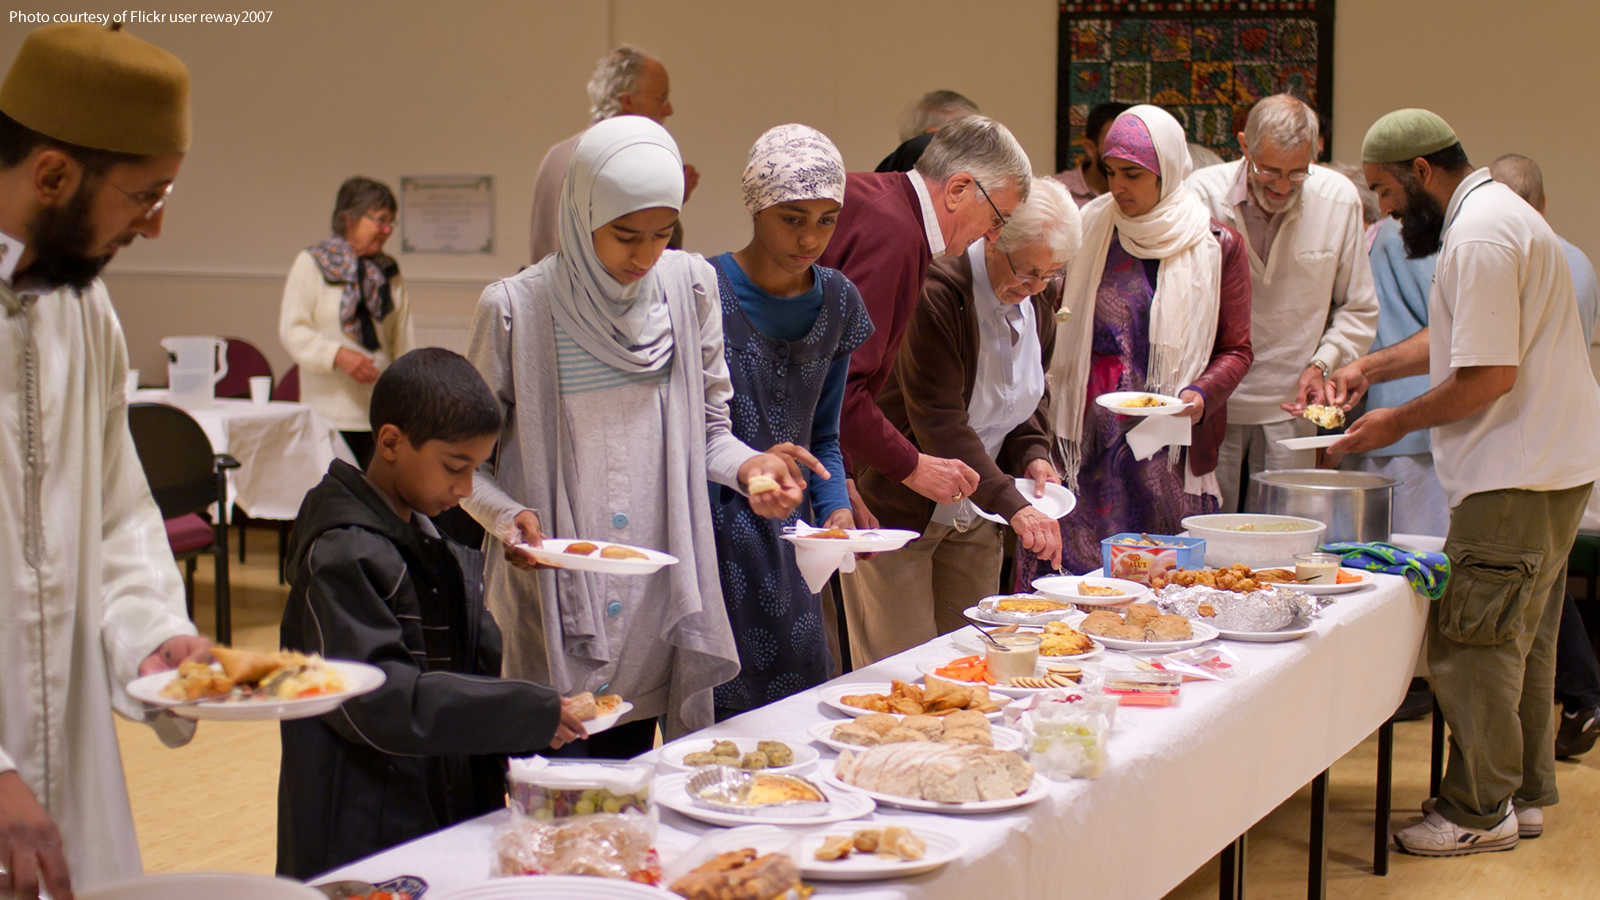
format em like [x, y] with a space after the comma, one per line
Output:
[1312, 304]
[1514, 412]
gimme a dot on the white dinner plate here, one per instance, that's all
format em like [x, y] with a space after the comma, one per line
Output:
[842, 806]
[672, 754]
[1314, 442]
[1366, 579]
[359, 678]
[609, 720]
[552, 553]
[1056, 503]
[1112, 400]
[942, 848]
[1202, 633]
[1294, 631]
[985, 613]
[201, 887]
[556, 887]
[1007, 690]
[861, 540]
[829, 694]
[1038, 790]
[1065, 587]
[822, 733]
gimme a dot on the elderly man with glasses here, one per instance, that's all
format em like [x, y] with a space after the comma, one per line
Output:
[1313, 305]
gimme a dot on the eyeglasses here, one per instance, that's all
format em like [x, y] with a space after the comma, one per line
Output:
[1269, 175]
[154, 207]
[1000, 217]
[1035, 276]
[384, 225]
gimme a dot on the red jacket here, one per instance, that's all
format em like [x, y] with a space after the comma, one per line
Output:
[881, 246]
[1230, 354]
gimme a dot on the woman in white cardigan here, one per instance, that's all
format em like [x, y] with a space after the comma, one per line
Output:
[345, 315]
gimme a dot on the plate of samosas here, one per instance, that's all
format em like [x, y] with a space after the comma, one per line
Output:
[597, 556]
[939, 698]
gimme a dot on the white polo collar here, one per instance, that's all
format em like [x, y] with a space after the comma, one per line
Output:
[930, 220]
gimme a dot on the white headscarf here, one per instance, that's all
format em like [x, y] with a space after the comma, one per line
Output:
[792, 162]
[1183, 312]
[619, 166]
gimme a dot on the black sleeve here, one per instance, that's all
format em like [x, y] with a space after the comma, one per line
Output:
[352, 578]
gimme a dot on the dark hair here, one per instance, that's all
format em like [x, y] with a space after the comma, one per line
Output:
[1449, 159]
[1100, 116]
[17, 141]
[359, 196]
[433, 394]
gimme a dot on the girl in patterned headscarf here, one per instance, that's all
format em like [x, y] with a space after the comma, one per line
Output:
[790, 326]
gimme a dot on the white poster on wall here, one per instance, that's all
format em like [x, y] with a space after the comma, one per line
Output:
[447, 214]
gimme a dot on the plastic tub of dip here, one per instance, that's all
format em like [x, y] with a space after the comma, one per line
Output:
[1317, 568]
[1019, 659]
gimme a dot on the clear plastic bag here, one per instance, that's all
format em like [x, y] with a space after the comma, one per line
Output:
[752, 863]
[1202, 664]
[556, 789]
[620, 846]
[1066, 735]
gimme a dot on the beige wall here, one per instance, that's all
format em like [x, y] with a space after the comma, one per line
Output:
[285, 111]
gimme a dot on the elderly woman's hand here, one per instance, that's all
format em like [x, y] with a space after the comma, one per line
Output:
[1038, 533]
[357, 365]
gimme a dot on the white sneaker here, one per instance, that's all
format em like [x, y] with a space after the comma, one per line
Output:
[1530, 819]
[1438, 836]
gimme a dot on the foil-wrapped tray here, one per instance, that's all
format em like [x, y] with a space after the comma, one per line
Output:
[727, 789]
[1265, 609]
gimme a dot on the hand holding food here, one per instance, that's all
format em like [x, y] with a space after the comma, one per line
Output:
[1197, 404]
[527, 530]
[173, 652]
[779, 503]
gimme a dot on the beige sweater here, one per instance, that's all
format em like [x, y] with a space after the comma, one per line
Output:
[309, 328]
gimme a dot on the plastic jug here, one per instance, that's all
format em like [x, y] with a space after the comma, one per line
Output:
[194, 366]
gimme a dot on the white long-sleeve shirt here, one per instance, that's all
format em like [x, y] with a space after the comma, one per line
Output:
[310, 330]
[89, 584]
[1311, 298]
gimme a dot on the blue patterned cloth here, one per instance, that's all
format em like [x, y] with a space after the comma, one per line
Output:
[777, 386]
[1428, 573]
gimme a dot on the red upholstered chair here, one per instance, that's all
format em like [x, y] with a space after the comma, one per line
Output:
[245, 361]
[288, 389]
[186, 477]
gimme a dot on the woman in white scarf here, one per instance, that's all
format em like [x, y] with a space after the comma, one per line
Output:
[1157, 300]
[607, 358]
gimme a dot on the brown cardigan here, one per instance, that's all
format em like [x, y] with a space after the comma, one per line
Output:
[927, 393]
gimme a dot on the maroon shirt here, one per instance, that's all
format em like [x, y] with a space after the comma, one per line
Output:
[881, 245]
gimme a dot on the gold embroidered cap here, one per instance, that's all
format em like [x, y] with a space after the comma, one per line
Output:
[101, 88]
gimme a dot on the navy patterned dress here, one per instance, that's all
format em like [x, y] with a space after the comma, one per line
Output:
[781, 393]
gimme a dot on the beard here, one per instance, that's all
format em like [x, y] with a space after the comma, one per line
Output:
[1422, 224]
[1269, 204]
[61, 239]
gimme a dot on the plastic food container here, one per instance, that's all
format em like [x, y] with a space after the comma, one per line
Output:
[546, 789]
[1132, 557]
[1018, 660]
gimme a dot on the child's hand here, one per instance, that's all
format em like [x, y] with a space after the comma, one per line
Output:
[529, 532]
[570, 729]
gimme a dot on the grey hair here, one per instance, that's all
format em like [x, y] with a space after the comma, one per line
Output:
[1048, 216]
[357, 197]
[615, 74]
[1285, 120]
[1370, 211]
[980, 147]
[933, 110]
[1522, 175]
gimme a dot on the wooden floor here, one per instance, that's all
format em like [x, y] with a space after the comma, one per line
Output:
[223, 788]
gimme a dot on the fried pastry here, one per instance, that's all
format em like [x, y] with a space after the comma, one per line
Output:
[834, 847]
[581, 548]
[617, 551]
[246, 666]
[762, 484]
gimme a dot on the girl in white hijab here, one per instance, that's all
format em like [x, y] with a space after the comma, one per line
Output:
[607, 359]
[1157, 300]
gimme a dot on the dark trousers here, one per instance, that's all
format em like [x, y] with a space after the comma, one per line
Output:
[1577, 670]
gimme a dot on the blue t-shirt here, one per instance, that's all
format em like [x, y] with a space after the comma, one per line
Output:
[789, 319]
[1402, 286]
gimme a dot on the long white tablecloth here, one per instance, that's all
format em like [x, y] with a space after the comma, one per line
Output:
[283, 451]
[1181, 782]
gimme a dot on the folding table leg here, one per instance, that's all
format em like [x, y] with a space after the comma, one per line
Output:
[1436, 766]
[1232, 880]
[1380, 817]
[1317, 873]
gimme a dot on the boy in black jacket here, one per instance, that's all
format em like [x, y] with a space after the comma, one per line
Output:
[374, 581]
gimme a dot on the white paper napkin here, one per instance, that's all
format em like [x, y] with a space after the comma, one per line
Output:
[1156, 432]
[817, 564]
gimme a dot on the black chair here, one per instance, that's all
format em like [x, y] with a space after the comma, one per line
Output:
[186, 477]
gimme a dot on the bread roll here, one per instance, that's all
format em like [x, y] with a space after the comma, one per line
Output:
[1168, 628]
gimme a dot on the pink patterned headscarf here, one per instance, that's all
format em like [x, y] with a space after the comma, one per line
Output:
[1129, 139]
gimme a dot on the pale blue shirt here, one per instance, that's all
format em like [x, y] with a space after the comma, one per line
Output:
[1584, 286]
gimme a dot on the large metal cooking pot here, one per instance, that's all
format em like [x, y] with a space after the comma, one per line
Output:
[1356, 506]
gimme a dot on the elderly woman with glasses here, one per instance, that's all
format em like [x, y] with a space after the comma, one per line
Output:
[344, 313]
[969, 384]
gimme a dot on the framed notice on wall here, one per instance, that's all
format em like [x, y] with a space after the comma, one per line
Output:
[447, 214]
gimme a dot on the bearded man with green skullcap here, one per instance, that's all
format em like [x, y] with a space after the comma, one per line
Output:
[1513, 410]
[94, 124]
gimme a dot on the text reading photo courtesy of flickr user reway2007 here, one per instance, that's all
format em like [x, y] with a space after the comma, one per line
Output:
[145, 17]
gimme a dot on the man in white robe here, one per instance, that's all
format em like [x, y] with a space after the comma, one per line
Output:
[93, 127]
